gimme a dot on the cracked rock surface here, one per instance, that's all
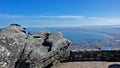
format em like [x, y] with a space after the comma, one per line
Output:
[19, 49]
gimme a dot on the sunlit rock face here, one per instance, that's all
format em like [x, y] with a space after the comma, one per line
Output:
[19, 49]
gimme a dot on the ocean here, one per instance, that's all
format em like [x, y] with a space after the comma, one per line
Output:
[74, 34]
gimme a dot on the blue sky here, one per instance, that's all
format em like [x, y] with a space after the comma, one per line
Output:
[59, 13]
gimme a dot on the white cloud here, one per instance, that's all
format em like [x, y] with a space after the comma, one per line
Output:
[111, 19]
[55, 16]
[104, 21]
[21, 16]
[78, 20]
[69, 17]
[9, 16]
[93, 18]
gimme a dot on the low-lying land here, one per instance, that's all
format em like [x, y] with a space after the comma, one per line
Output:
[114, 42]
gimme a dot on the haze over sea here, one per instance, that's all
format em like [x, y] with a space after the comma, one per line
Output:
[86, 37]
[75, 34]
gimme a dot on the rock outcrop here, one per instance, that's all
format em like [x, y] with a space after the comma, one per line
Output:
[19, 49]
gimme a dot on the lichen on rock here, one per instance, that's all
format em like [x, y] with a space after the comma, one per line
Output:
[19, 49]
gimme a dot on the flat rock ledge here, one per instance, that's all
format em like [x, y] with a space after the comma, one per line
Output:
[19, 49]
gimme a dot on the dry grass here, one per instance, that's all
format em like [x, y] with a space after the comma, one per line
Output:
[87, 64]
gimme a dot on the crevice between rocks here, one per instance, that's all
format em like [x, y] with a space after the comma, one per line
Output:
[20, 63]
[47, 44]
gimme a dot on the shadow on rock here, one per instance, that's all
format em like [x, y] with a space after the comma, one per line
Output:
[114, 66]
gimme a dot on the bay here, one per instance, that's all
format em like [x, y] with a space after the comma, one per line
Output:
[75, 35]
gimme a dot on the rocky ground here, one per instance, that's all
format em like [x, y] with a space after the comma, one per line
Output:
[19, 49]
[88, 64]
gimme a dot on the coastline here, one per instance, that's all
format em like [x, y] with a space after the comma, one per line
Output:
[111, 37]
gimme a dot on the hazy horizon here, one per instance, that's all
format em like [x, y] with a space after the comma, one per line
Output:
[59, 13]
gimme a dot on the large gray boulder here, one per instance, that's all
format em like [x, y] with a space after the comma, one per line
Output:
[18, 49]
